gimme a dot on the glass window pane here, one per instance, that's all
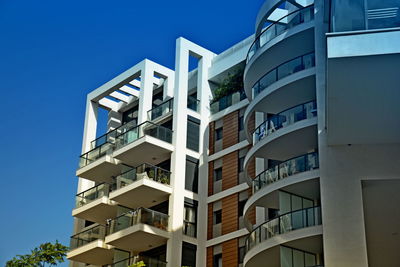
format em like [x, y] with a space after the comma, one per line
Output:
[298, 258]
[286, 257]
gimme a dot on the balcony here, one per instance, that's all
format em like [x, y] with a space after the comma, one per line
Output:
[143, 186]
[161, 111]
[138, 230]
[97, 164]
[285, 169]
[227, 101]
[94, 205]
[279, 27]
[286, 69]
[286, 134]
[193, 103]
[89, 247]
[149, 140]
[283, 224]
[139, 261]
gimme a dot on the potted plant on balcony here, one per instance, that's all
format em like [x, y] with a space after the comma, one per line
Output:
[231, 84]
[137, 264]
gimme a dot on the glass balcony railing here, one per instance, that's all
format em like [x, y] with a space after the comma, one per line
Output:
[193, 103]
[92, 194]
[227, 101]
[143, 171]
[284, 223]
[284, 119]
[96, 232]
[146, 128]
[292, 66]
[161, 110]
[140, 215]
[285, 169]
[94, 154]
[285, 23]
[138, 261]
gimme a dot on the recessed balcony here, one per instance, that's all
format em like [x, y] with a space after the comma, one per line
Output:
[143, 186]
[138, 261]
[138, 230]
[94, 205]
[89, 247]
[227, 101]
[147, 142]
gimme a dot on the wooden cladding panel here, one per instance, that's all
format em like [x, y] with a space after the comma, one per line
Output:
[211, 137]
[230, 214]
[230, 253]
[210, 257]
[230, 129]
[251, 124]
[210, 222]
[251, 168]
[251, 214]
[210, 178]
[230, 170]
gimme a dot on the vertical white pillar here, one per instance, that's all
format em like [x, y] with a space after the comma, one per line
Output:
[178, 157]
[203, 94]
[146, 90]
[114, 120]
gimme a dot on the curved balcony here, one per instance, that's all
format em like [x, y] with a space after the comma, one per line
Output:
[290, 67]
[286, 134]
[298, 228]
[285, 119]
[143, 186]
[88, 246]
[278, 39]
[285, 169]
[138, 230]
[279, 27]
[94, 205]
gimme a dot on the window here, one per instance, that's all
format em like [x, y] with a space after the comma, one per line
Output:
[242, 251]
[241, 207]
[217, 217]
[241, 164]
[241, 123]
[218, 134]
[193, 134]
[218, 174]
[188, 255]
[130, 115]
[190, 218]
[192, 174]
[218, 260]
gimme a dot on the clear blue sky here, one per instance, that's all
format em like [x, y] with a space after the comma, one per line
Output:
[52, 53]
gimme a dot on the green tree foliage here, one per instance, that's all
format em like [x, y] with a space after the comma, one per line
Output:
[46, 253]
[231, 84]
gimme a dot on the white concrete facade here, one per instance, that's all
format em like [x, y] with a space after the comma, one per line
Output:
[324, 164]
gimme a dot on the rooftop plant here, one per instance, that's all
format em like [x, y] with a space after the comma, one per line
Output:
[232, 83]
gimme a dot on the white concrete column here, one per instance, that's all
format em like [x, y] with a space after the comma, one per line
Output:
[203, 94]
[178, 157]
[146, 90]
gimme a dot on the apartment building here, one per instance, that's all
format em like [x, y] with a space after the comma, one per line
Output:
[284, 150]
